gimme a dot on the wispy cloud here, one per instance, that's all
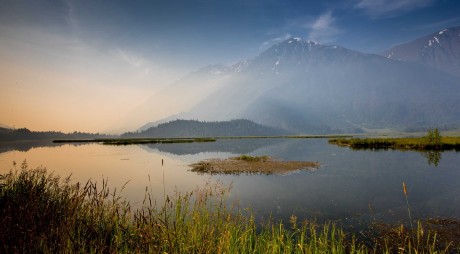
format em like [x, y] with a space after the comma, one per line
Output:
[272, 41]
[135, 62]
[129, 58]
[323, 28]
[389, 8]
[435, 25]
[70, 17]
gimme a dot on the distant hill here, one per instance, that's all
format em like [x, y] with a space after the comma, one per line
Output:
[4, 126]
[193, 128]
[440, 50]
[26, 134]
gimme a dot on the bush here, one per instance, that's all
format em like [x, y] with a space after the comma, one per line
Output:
[433, 137]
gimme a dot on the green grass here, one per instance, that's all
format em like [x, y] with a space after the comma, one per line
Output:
[419, 144]
[252, 158]
[41, 213]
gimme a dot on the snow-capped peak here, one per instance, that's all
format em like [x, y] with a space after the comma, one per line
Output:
[442, 31]
[296, 39]
[301, 41]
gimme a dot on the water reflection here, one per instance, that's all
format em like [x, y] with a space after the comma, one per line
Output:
[235, 146]
[353, 187]
[433, 157]
[24, 146]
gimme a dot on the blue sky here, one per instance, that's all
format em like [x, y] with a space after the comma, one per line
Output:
[128, 50]
[207, 31]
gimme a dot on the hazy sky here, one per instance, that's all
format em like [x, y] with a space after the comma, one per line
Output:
[84, 65]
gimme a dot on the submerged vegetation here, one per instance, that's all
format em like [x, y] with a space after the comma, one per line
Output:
[431, 142]
[245, 164]
[41, 213]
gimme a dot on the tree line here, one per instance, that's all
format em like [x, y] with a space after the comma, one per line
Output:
[26, 134]
[194, 128]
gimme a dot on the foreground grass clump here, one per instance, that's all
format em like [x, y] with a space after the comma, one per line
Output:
[245, 157]
[41, 213]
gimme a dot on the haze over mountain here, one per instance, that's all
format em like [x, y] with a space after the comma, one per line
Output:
[307, 87]
[196, 86]
[440, 50]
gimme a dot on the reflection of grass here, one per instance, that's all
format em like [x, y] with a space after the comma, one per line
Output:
[133, 141]
[40, 213]
[420, 144]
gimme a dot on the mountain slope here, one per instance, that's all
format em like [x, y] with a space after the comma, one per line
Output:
[440, 50]
[303, 86]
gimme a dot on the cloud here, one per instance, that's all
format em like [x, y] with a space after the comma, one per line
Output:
[389, 8]
[129, 58]
[70, 16]
[144, 68]
[323, 28]
[272, 41]
[435, 25]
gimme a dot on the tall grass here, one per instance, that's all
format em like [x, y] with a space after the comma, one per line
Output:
[407, 203]
[41, 213]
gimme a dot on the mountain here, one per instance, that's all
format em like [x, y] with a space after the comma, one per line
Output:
[440, 50]
[193, 128]
[307, 87]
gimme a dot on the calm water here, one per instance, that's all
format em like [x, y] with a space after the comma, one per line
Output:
[351, 187]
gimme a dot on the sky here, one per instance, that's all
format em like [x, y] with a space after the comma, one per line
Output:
[84, 65]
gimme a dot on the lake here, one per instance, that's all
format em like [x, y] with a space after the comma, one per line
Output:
[350, 187]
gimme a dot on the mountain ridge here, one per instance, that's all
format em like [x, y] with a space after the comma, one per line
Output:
[439, 50]
[308, 87]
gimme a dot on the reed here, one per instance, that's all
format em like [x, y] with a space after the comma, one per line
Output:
[42, 213]
[407, 202]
